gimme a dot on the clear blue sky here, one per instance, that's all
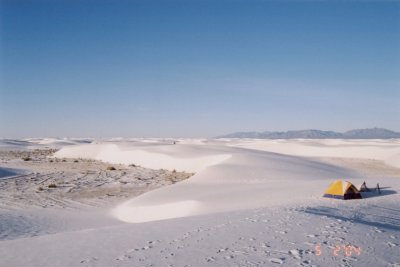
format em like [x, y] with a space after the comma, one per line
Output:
[197, 68]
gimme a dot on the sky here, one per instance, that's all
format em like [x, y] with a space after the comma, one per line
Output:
[85, 68]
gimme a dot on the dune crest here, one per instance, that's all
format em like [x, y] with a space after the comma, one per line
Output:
[158, 159]
[138, 214]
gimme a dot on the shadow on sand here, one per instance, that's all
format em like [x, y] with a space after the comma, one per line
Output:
[7, 172]
[384, 191]
[374, 215]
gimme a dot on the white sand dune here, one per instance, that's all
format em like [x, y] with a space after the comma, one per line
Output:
[231, 177]
[146, 213]
[40, 143]
[247, 180]
[260, 205]
[163, 157]
[387, 151]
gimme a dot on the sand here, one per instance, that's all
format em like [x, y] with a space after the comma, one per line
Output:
[249, 203]
[43, 188]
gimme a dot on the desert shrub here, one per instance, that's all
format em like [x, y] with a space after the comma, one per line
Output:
[173, 171]
[110, 168]
[132, 165]
[52, 186]
[76, 161]
[40, 188]
[26, 158]
[64, 160]
[51, 160]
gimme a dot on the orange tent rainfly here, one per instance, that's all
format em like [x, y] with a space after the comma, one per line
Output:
[342, 190]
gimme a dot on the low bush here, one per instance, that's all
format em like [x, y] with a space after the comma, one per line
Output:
[26, 158]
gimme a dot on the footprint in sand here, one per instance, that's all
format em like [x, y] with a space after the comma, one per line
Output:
[251, 220]
[312, 236]
[277, 260]
[336, 238]
[265, 245]
[222, 250]
[210, 259]
[311, 244]
[123, 257]
[305, 263]
[296, 253]
[88, 261]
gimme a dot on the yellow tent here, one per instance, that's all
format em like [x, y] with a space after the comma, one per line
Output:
[342, 190]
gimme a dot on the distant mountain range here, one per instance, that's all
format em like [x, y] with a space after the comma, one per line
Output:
[371, 133]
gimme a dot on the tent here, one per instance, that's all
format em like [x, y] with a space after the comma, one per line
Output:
[342, 190]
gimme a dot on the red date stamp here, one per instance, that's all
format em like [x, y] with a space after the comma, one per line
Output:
[339, 250]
